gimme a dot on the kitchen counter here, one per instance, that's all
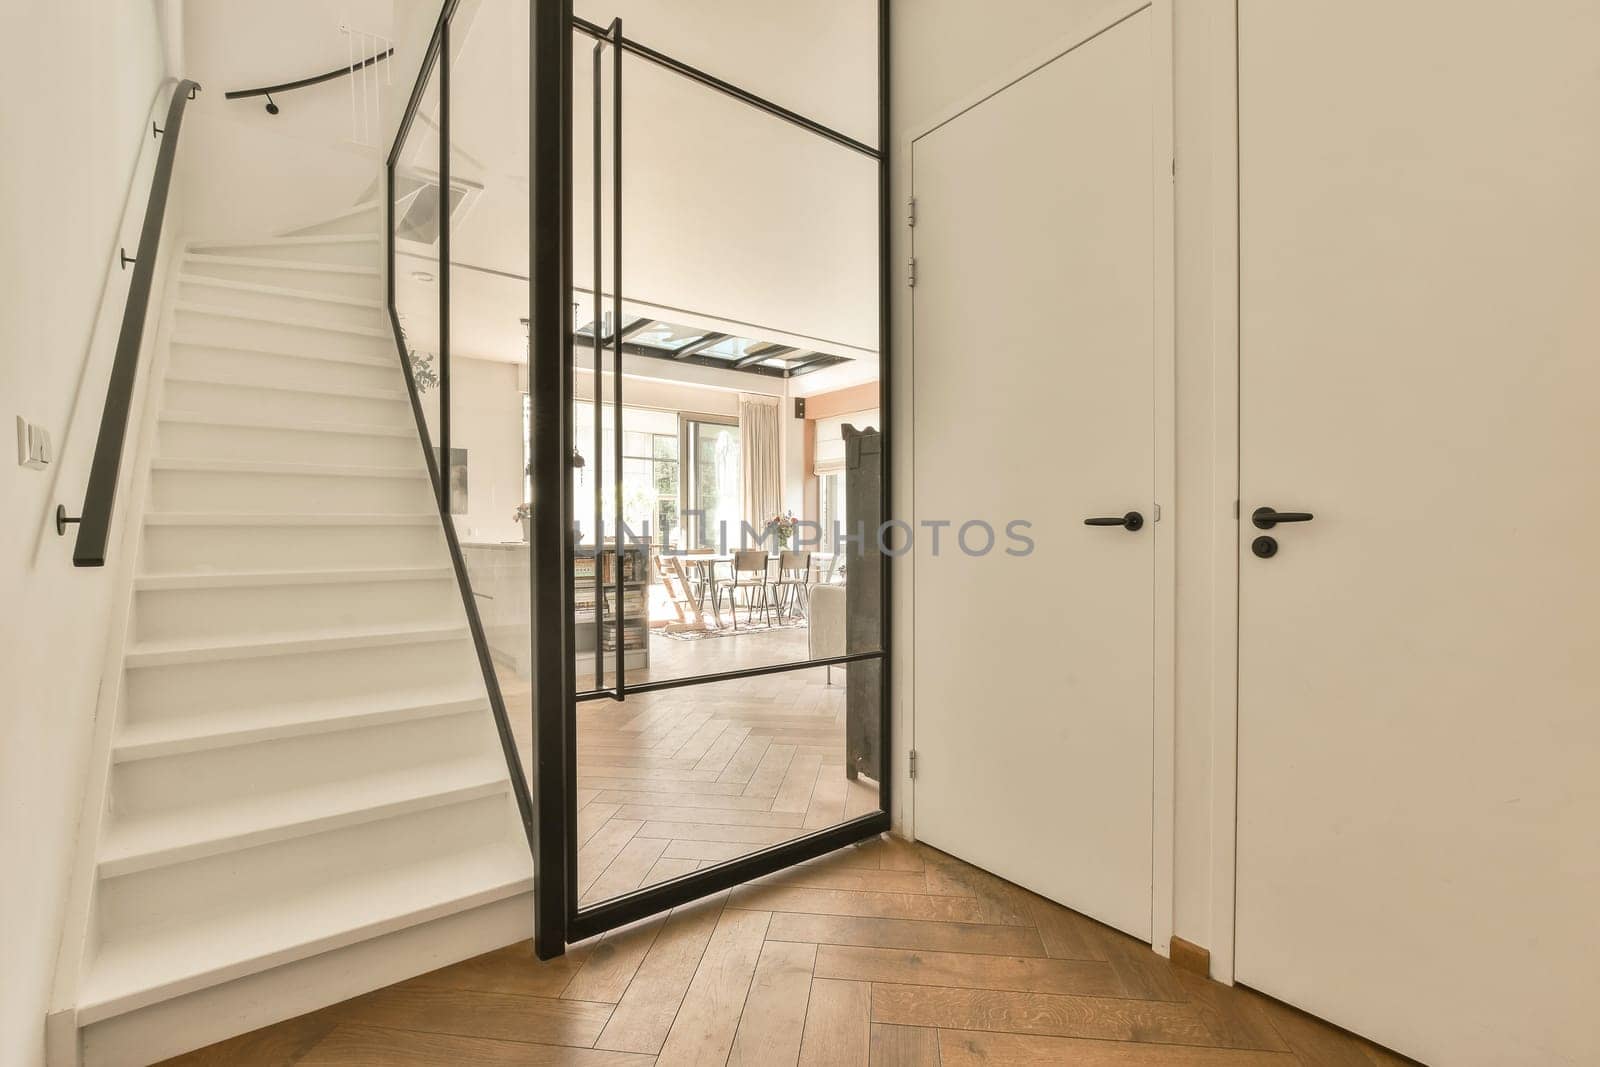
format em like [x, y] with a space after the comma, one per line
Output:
[500, 575]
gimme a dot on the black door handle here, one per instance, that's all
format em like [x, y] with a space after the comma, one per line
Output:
[1130, 522]
[1267, 518]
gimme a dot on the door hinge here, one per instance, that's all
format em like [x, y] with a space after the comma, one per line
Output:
[913, 763]
[911, 211]
[1236, 509]
[911, 273]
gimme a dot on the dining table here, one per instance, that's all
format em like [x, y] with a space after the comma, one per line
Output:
[703, 575]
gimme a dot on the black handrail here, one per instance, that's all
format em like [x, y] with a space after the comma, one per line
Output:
[94, 524]
[315, 79]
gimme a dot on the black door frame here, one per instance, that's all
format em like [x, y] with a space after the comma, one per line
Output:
[558, 920]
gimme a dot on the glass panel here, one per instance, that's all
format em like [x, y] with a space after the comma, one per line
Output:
[712, 611]
[725, 566]
[684, 779]
[416, 244]
[491, 483]
[744, 479]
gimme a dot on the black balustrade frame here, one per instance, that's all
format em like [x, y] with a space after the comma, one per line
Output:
[550, 810]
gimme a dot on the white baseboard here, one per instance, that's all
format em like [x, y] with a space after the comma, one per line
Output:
[237, 1007]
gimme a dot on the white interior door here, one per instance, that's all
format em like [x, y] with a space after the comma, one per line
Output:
[1034, 351]
[1419, 666]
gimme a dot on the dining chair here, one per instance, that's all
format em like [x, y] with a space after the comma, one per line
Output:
[793, 587]
[750, 575]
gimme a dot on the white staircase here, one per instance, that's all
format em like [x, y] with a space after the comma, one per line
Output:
[303, 756]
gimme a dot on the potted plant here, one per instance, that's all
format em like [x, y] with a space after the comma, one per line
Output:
[524, 515]
[781, 527]
[422, 371]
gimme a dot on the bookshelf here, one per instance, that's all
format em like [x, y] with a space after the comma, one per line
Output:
[636, 606]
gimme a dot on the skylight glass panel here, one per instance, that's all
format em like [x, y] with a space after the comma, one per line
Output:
[732, 348]
[587, 329]
[668, 335]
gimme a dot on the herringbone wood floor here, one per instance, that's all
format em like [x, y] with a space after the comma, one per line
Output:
[683, 778]
[883, 953]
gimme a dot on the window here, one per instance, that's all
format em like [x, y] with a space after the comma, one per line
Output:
[650, 473]
[715, 477]
[832, 510]
[829, 449]
[828, 465]
[527, 453]
[650, 477]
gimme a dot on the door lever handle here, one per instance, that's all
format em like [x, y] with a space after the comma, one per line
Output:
[1130, 522]
[1267, 518]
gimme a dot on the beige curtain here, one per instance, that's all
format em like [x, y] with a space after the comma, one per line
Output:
[759, 443]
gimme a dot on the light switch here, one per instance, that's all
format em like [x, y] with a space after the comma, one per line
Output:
[33, 445]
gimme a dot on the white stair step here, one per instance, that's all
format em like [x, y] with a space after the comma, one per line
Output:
[325, 470]
[306, 306]
[309, 681]
[346, 249]
[209, 519]
[159, 654]
[312, 296]
[248, 314]
[305, 368]
[189, 834]
[201, 543]
[224, 485]
[250, 579]
[319, 470]
[251, 778]
[175, 930]
[244, 783]
[213, 795]
[292, 425]
[219, 325]
[393, 396]
[384, 361]
[247, 399]
[265, 609]
[343, 279]
[195, 434]
[158, 738]
[364, 219]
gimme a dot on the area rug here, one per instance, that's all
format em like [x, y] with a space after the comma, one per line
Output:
[759, 626]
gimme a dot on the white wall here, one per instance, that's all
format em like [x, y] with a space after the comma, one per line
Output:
[486, 420]
[795, 474]
[944, 52]
[818, 58]
[668, 396]
[253, 173]
[79, 80]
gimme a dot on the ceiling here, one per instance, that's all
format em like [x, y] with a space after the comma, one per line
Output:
[733, 220]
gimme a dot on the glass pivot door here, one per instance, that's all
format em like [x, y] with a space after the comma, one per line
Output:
[709, 706]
